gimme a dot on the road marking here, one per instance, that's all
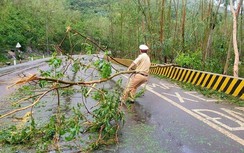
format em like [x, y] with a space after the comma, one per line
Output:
[161, 85]
[238, 115]
[153, 85]
[22, 69]
[223, 116]
[214, 126]
[172, 95]
[199, 117]
[198, 97]
[179, 97]
[240, 108]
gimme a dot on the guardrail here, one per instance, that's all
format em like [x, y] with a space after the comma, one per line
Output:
[222, 83]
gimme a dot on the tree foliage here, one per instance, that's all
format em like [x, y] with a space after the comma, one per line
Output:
[195, 36]
[169, 27]
[34, 23]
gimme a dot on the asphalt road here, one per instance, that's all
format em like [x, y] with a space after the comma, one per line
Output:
[166, 119]
[8, 75]
[185, 121]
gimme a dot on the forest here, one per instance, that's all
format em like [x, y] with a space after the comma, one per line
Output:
[193, 34]
[204, 35]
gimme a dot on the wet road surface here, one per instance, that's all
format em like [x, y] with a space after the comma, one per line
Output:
[8, 75]
[184, 122]
[166, 119]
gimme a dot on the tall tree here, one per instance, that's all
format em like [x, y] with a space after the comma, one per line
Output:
[213, 22]
[183, 23]
[235, 45]
[175, 36]
[241, 32]
[228, 55]
[161, 38]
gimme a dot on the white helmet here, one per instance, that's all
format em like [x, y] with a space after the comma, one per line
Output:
[143, 47]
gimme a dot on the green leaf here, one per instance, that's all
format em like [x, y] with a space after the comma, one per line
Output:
[42, 83]
[76, 66]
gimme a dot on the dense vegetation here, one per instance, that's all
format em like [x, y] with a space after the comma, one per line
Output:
[197, 34]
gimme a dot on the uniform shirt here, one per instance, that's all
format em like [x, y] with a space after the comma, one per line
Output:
[143, 63]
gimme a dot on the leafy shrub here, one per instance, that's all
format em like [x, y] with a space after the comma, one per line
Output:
[189, 60]
[3, 58]
[213, 65]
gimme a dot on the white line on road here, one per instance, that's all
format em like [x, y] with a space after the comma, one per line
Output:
[216, 127]
[187, 99]
[239, 125]
[204, 120]
[198, 97]
[179, 97]
[240, 108]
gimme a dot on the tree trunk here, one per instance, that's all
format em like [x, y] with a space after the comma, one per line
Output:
[205, 44]
[147, 22]
[169, 17]
[122, 30]
[226, 15]
[175, 38]
[202, 9]
[183, 24]
[161, 38]
[111, 31]
[228, 56]
[144, 20]
[169, 31]
[235, 45]
[162, 22]
[150, 30]
[213, 20]
[241, 34]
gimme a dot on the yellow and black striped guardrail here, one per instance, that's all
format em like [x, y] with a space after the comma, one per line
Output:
[222, 83]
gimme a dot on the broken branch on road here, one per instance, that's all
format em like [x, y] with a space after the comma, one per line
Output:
[34, 77]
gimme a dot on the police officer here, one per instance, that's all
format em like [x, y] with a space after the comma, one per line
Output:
[142, 64]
